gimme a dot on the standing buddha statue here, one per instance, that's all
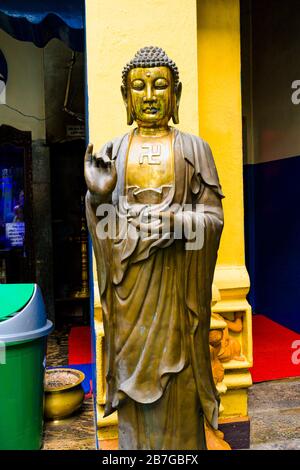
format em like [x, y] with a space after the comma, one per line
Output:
[155, 272]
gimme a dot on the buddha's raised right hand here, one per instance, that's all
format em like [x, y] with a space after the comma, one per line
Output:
[100, 171]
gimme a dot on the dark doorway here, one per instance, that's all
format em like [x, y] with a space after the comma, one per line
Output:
[270, 44]
[69, 231]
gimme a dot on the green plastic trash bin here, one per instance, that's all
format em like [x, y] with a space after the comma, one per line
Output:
[23, 335]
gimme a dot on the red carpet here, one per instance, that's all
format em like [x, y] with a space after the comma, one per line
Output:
[273, 352]
[80, 345]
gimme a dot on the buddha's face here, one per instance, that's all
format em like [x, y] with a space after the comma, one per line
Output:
[151, 92]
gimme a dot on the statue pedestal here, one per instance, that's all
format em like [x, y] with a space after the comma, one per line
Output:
[232, 314]
[236, 431]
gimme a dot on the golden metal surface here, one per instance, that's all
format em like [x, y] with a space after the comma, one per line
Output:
[150, 167]
[150, 93]
[63, 400]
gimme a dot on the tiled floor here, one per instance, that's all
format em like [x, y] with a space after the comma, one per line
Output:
[274, 410]
[74, 433]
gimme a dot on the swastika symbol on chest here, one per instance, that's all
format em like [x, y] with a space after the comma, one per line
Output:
[150, 153]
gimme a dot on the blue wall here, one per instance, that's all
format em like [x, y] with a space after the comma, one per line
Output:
[272, 232]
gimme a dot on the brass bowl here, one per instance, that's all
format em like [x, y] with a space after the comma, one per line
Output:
[63, 392]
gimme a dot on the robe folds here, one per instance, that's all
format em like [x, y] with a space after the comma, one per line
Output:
[156, 302]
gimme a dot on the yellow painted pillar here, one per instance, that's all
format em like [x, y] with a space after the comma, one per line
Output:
[115, 30]
[220, 123]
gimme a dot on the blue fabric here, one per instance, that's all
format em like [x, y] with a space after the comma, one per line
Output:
[272, 229]
[41, 21]
[85, 368]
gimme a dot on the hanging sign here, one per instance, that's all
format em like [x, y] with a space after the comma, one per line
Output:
[76, 130]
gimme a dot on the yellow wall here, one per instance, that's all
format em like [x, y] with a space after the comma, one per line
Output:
[220, 117]
[115, 31]
[25, 86]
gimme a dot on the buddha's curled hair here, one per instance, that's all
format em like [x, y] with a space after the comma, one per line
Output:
[150, 56]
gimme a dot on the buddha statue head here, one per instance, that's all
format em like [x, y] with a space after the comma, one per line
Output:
[151, 88]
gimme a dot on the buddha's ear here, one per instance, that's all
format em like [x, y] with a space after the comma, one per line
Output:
[176, 102]
[128, 106]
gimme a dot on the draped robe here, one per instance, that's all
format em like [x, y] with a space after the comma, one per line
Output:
[156, 301]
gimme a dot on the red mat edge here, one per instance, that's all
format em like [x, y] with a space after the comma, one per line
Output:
[273, 351]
